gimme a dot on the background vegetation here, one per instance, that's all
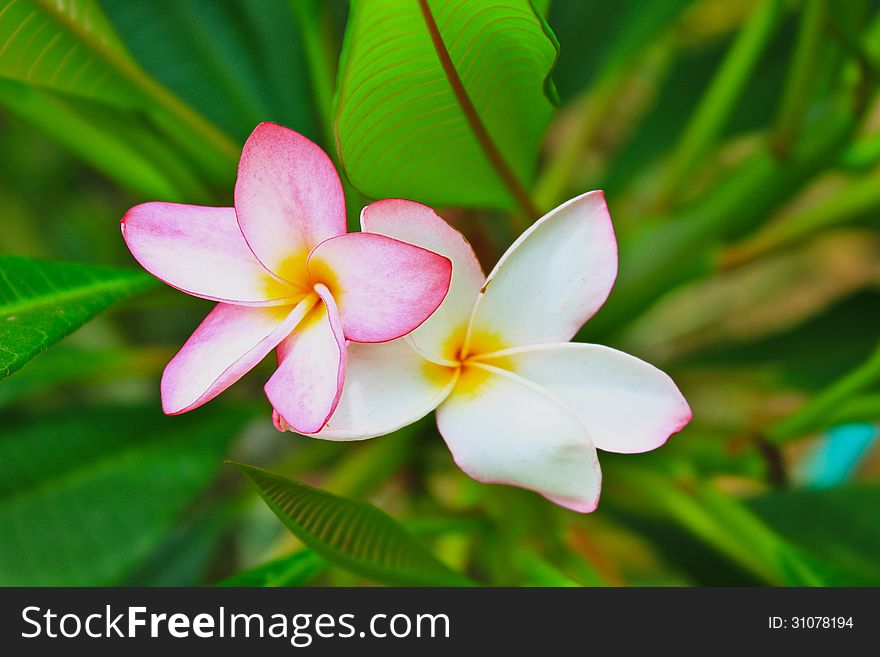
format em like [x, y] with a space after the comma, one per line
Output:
[739, 147]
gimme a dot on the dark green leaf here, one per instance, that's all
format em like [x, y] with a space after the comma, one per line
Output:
[86, 495]
[351, 534]
[186, 554]
[236, 61]
[837, 525]
[42, 302]
[444, 102]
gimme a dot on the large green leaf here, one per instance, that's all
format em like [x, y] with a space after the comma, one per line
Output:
[68, 46]
[351, 534]
[43, 301]
[444, 102]
[86, 495]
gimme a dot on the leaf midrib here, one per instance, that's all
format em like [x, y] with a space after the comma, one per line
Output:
[116, 59]
[133, 281]
[510, 180]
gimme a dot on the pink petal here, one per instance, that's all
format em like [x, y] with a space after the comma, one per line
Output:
[202, 252]
[305, 388]
[553, 279]
[626, 404]
[288, 198]
[384, 288]
[418, 224]
[503, 430]
[227, 344]
[387, 386]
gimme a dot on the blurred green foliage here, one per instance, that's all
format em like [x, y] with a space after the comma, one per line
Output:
[739, 147]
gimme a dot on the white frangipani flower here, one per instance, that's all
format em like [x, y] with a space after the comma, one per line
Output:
[516, 402]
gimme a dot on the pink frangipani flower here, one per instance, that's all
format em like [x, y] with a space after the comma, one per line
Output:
[286, 276]
[516, 402]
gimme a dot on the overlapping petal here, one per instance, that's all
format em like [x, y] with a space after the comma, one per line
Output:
[201, 251]
[288, 198]
[501, 429]
[387, 386]
[228, 343]
[554, 277]
[306, 387]
[418, 224]
[626, 404]
[384, 287]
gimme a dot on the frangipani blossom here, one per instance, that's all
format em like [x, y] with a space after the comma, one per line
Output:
[516, 402]
[286, 276]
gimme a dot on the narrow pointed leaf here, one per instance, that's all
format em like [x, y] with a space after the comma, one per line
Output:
[444, 102]
[43, 301]
[351, 534]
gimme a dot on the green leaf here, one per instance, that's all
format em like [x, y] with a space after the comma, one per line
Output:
[68, 46]
[43, 301]
[86, 495]
[716, 519]
[444, 102]
[837, 525]
[297, 569]
[233, 60]
[116, 142]
[351, 534]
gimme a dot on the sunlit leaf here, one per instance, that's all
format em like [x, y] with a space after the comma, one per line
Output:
[351, 534]
[68, 46]
[85, 495]
[42, 302]
[444, 102]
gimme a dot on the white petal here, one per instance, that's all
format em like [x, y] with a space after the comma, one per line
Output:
[387, 386]
[626, 404]
[501, 429]
[553, 279]
[440, 337]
